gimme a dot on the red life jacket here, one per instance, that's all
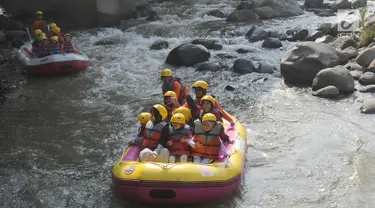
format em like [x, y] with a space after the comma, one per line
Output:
[55, 48]
[169, 87]
[179, 148]
[152, 134]
[210, 141]
[219, 115]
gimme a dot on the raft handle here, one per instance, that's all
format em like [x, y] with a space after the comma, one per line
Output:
[162, 194]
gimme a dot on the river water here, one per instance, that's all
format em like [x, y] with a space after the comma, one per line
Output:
[61, 135]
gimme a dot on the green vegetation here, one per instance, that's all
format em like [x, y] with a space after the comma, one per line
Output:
[367, 33]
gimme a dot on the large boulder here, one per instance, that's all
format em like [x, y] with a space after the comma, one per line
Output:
[243, 66]
[301, 63]
[188, 55]
[243, 15]
[284, 8]
[314, 3]
[337, 76]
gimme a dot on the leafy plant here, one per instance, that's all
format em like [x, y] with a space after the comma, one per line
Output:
[367, 33]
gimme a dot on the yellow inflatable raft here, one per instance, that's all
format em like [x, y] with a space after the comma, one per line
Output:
[182, 183]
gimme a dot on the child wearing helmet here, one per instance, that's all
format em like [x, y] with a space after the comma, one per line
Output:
[178, 140]
[170, 103]
[67, 46]
[56, 32]
[171, 83]
[206, 142]
[208, 106]
[200, 88]
[42, 49]
[54, 45]
[155, 136]
[188, 118]
[142, 118]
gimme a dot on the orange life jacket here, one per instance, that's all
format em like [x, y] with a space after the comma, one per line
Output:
[179, 148]
[152, 134]
[210, 141]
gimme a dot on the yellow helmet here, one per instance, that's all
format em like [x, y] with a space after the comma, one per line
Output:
[209, 98]
[162, 111]
[42, 37]
[39, 12]
[67, 34]
[55, 38]
[209, 117]
[201, 84]
[166, 73]
[185, 111]
[178, 118]
[170, 94]
[52, 25]
[38, 32]
[144, 117]
[56, 29]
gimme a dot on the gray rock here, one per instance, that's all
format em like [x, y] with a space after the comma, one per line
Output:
[271, 43]
[243, 15]
[368, 107]
[337, 76]
[341, 4]
[301, 63]
[188, 55]
[256, 34]
[208, 66]
[327, 92]
[313, 3]
[350, 52]
[368, 78]
[243, 66]
[266, 68]
[217, 13]
[344, 42]
[264, 12]
[359, 3]
[246, 5]
[209, 44]
[368, 89]
[315, 35]
[324, 27]
[365, 57]
[159, 44]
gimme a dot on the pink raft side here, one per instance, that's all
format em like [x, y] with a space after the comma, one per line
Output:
[150, 192]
